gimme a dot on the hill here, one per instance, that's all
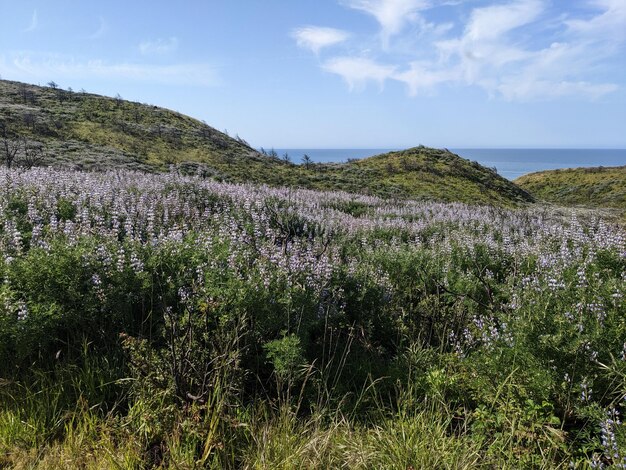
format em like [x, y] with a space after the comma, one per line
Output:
[599, 187]
[87, 131]
[442, 175]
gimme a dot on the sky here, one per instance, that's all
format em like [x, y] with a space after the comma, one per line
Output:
[343, 73]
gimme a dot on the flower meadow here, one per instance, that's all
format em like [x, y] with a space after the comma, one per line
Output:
[168, 321]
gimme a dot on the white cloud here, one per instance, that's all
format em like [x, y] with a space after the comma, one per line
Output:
[421, 77]
[513, 89]
[512, 50]
[484, 44]
[490, 23]
[316, 38]
[392, 15]
[608, 25]
[44, 68]
[554, 72]
[159, 46]
[34, 22]
[357, 71]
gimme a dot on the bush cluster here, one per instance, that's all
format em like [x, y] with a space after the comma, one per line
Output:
[163, 320]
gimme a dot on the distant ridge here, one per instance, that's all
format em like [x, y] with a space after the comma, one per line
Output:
[598, 187]
[87, 131]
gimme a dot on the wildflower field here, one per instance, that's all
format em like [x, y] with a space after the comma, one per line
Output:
[163, 321]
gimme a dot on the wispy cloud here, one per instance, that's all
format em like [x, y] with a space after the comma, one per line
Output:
[485, 48]
[42, 68]
[102, 29]
[357, 72]
[421, 77]
[492, 22]
[496, 48]
[523, 90]
[488, 54]
[610, 24]
[316, 38]
[392, 15]
[159, 46]
[34, 23]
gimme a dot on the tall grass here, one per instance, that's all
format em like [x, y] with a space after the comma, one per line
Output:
[172, 322]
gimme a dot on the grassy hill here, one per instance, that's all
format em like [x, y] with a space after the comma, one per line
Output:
[87, 131]
[599, 187]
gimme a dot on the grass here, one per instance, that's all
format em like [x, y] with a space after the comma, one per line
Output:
[162, 321]
[599, 187]
[414, 437]
[87, 131]
[154, 320]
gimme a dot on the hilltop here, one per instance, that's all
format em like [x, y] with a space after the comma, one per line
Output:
[89, 131]
[86, 131]
[598, 187]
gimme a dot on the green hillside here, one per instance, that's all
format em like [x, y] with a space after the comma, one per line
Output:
[599, 187]
[87, 131]
[441, 175]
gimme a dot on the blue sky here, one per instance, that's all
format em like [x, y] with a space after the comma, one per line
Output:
[343, 73]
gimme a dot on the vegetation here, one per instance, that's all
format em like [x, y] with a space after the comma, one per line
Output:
[600, 187]
[87, 131]
[168, 321]
[441, 175]
[238, 311]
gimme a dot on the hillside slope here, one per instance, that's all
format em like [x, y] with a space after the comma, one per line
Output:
[442, 175]
[87, 131]
[599, 187]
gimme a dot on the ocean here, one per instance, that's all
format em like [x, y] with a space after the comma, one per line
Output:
[510, 163]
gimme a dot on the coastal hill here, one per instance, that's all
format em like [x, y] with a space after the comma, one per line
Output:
[598, 187]
[86, 131]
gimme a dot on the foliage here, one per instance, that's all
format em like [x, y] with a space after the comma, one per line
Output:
[600, 187]
[87, 131]
[176, 321]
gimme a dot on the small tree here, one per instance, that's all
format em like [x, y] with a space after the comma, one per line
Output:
[30, 120]
[9, 145]
[32, 153]
[241, 140]
[52, 84]
[286, 157]
[307, 161]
